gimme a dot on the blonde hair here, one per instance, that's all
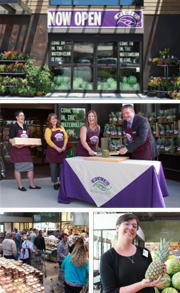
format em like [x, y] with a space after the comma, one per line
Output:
[95, 116]
[79, 257]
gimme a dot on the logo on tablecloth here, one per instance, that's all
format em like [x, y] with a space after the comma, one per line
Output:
[100, 185]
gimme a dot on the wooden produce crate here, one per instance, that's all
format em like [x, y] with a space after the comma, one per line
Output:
[26, 141]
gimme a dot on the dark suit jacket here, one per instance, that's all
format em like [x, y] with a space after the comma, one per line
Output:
[39, 242]
[142, 129]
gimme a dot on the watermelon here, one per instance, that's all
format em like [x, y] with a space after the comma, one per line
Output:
[173, 266]
[132, 79]
[135, 87]
[176, 280]
[113, 85]
[126, 87]
[156, 290]
[110, 80]
[125, 79]
[169, 290]
[89, 86]
[105, 85]
[75, 84]
[79, 79]
[167, 284]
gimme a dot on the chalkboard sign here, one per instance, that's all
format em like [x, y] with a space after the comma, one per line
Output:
[129, 52]
[72, 119]
[60, 52]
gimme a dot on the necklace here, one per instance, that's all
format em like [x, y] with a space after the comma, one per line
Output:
[131, 258]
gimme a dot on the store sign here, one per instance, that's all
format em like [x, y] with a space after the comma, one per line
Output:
[95, 19]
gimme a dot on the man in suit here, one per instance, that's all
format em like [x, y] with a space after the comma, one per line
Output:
[39, 241]
[138, 132]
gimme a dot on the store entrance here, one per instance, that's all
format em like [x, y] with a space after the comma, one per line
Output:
[96, 63]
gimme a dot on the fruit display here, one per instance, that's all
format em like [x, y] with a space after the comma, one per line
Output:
[173, 266]
[167, 284]
[156, 268]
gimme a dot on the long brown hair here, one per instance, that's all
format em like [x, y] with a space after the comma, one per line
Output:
[79, 257]
[48, 124]
[95, 116]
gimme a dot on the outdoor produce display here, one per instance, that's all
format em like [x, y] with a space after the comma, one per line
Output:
[172, 275]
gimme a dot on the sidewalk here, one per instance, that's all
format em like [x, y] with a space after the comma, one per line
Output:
[11, 197]
[88, 96]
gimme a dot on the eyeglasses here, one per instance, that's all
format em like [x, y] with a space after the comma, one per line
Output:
[128, 224]
[21, 115]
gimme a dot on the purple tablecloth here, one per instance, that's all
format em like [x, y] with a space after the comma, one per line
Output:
[147, 190]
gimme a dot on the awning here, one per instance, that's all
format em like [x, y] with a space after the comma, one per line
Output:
[14, 7]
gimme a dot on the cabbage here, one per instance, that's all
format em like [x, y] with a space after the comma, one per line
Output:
[66, 79]
[135, 87]
[100, 87]
[105, 85]
[64, 86]
[126, 87]
[79, 79]
[84, 85]
[75, 84]
[113, 85]
[59, 79]
[124, 79]
[132, 79]
[110, 80]
[89, 86]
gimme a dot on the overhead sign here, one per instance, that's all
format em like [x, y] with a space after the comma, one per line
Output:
[95, 19]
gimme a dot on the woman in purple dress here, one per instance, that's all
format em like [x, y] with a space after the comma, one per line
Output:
[89, 136]
[20, 154]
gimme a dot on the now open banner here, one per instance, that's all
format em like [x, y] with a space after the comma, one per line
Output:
[95, 19]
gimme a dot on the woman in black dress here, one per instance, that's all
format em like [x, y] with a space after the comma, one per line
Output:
[123, 267]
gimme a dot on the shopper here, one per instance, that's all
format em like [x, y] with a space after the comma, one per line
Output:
[26, 249]
[44, 233]
[9, 246]
[86, 238]
[138, 131]
[39, 241]
[62, 249]
[123, 267]
[89, 136]
[71, 237]
[76, 267]
[20, 154]
[56, 138]
[79, 241]
[33, 235]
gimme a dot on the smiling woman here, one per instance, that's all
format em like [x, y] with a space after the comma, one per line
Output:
[123, 267]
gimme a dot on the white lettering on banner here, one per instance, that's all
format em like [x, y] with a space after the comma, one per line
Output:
[67, 18]
[84, 17]
[91, 18]
[51, 18]
[77, 18]
[59, 18]
[97, 18]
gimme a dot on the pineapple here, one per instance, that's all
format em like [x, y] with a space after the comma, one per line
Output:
[156, 268]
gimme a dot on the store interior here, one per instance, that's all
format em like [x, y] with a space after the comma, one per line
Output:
[153, 227]
[46, 263]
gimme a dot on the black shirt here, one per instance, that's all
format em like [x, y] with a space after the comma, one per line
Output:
[13, 132]
[118, 271]
[39, 242]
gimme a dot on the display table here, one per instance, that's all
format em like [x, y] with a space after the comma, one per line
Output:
[132, 183]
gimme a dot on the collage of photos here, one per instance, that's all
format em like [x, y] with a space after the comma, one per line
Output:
[89, 146]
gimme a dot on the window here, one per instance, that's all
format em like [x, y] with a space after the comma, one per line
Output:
[99, 2]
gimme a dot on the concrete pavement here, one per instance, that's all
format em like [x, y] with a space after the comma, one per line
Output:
[11, 197]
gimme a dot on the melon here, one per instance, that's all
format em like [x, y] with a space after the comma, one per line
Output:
[176, 280]
[105, 153]
[169, 290]
[156, 290]
[167, 284]
[173, 266]
[172, 256]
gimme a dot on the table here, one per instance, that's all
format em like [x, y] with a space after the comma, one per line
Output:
[132, 183]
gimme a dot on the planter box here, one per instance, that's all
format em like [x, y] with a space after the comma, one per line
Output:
[26, 141]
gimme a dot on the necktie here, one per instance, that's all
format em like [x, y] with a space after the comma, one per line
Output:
[129, 124]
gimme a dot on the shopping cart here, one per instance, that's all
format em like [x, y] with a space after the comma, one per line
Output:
[38, 261]
[57, 285]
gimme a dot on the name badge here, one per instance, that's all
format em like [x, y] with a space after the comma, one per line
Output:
[24, 131]
[134, 132]
[145, 253]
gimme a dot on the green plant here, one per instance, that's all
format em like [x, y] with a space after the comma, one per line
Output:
[23, 56]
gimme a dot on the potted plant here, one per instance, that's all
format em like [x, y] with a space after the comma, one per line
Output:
[19, 67]
[23, 91]
[3, 90]
[23, 56]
